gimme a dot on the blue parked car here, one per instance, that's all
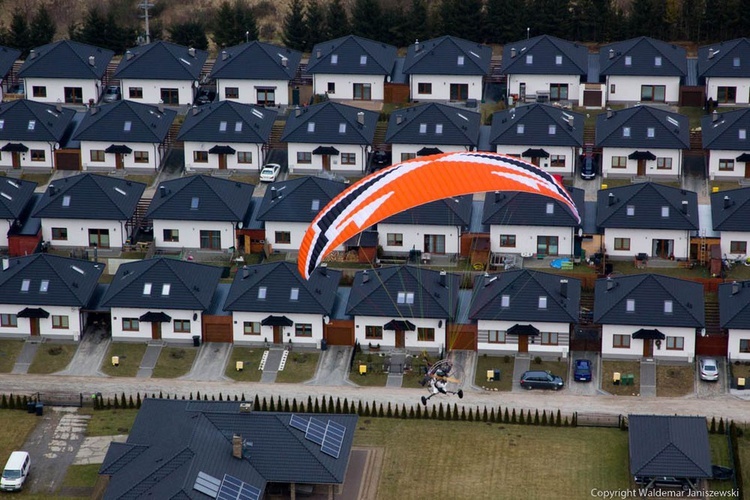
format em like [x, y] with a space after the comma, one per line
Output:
[582, 372]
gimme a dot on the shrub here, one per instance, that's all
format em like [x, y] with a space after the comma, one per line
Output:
[506, 359]
[55, 351]
[537, 360]
[178, 354]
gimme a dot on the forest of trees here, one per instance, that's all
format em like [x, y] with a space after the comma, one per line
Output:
[303, 23]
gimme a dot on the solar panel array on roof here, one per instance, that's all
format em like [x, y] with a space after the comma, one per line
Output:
[316, 431]
[236, 489]
[333, 439]
[207, 485]
[298, 423]
[329, 436]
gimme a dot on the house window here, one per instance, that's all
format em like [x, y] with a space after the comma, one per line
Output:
[135, 92]
[460, 61]
[558, 92]
[331, 87]
[251, 328]
[303, 330]
[505, 301]
[739, 247]
[60, 233]
[8, 320]
[459, 91]
[200, 156]
[130, 325]
[348, 158]
[334, 58]
[619, 162]
[549, 338]
[60, 322]
[529, 58]
[508, 240]
[547, 245]
[405, 298]
[426, 334]
[726, 165]
[626, 131]
[558, 60]
[395, 239]
[742, 134]
[97, 155]
[557, 161]
[283, 237]
[726, 94]
[408, 156]
[621, 341]
[664, 163]
[182, 326]
[552, 129]
[73, 95]
[650, 132]
[520, 128]
[424, 88]
[668, 307]
[745, 345]
[232, 93]
[622, 244]
[675, 343]
[542, 302]
[140, 156]
[172, 235]
[262, 292]
[438, 128]
[362, 92]
[304, 157]
[244, 157]
[434, 243]
[210, 240]
[630, 210]
[653, 93]
[266, 97]
[496, 336]
[550, 209]
[422, 128]
[39, 91]
[612, 88]
[38, 155]
[374, 332]
[630, 305]
[628, 60]
[99, 238]
[170, 96]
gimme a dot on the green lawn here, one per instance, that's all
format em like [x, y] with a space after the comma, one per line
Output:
[251, 359]
[130, 355]
[81, 476]
[623, 367]
[744, 448]
[627, 267]
[16, 426]
[675, 381]
[503, 363]
[9, 351]
[719, 456]
[52, 357]
[174, 362]
[299, 367]
[375, 376]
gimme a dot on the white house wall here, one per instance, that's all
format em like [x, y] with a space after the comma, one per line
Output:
[441, 86]
[23, 328]
[741, 84]
[360, 150]
[296, 230]
[6, 157]
[6, 226]
[641, 241]
[266, 332]
[410, 338]
[144, 328]
[628, 88]
[636, 345]
[152, 90]
[715, 155]
[399, 149]
[541, 83]
[78, 231]
[213, 159]
[526, 238]
[189, 232]
[727, 237]
[631, 170]
[345, 85]
[511, 345]
[413, 237]
[128, 160]
[733, 349]
[90, 89]
[569, 152]
[248, 90]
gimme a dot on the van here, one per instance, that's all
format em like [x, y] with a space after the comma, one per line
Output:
[15, 472]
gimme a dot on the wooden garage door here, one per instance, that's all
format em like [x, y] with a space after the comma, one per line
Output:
[463, 337]
[342, 333]
[217, 329]
[592, 97]
[68, 159]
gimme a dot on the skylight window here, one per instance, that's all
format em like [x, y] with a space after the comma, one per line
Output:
[2, 124]
[405, 298]
[543, 302]
[422, 128]
[668, 307]
[127, 126]
[222, 126]
[194, 203]
[311, 126]
[44, 286]
[121, 191]
[460, 60]
[438, 128]
[462, 117]
[25, 285]
[628, 60]
[657, 61]
[665, 211]
[630, 210]
[315, 205]
[626, 131]
[550, 208]
[6, 195]
[552, 129]
[736, 62]
[165, 288]
[257, 112]
[362, 60]
[529, 58]
[558, 60]
[672, 121]
[238, 126]
[650, 132]
[66, 200]
[147, 288]
[520, 129]
[334, 58]
[262, 292]
[294, 294]
[32, 124]
[630, 305]
[77, 269]
[505, 301]
[342, 128]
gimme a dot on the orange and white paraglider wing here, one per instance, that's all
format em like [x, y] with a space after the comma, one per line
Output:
[416, 182]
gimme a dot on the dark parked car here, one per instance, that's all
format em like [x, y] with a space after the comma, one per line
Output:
[582, 370]
[380, 159]
[205, 96]
[589, 165]
[538, 379]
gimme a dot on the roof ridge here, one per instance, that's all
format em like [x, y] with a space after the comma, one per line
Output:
[210, 186]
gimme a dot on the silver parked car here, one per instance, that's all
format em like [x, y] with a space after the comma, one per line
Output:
[709, 369]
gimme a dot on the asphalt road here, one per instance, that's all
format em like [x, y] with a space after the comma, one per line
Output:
[717, 405]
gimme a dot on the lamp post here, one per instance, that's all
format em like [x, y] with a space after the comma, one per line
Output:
[528, 30]
[247, 37]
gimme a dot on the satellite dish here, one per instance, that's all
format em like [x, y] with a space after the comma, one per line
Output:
[326, 319]
[239, 225]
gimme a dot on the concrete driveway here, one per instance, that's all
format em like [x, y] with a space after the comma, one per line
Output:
[584, 388]
[90, 354]
[704, 389]
[211, 362]
[333, 367]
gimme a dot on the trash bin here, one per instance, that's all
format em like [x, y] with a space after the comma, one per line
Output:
[196, 340]
[323, 345]
[497, 375]
[31, 407]
[39, 409]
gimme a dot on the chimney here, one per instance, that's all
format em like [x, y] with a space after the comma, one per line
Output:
[512, 52]
[564, 288]
[32, 54]
[52, 190]
[128, 55]
[399, 119]
[274, 194]
[92, 61]
[284, 62]
[94, 110]
[711, 53]
[684, 206]
[727, 201]
[191, 52]
[6, 264]
[163, 191]
[58, 107]
[735, 285]
[714, 116]
[318, 54]
[196, 110]
[365, 277]
[441, 281]
[324, 269]
[237, 446]
[245, 272]
[298, 112]
[160, 107]
[246, 407]
[224, 55]
[611, 53]
[499, 196]
[361, 117]
[611, 199]
[610, 284]
[609, 113]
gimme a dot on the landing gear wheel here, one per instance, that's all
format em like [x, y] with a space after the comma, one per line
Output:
[424, 400]
[460, 394]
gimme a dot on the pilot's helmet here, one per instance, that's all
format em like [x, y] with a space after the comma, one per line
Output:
[440, 373]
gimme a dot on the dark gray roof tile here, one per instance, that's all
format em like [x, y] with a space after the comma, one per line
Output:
[16, 198]
[514, 208]
[256, 61]
[647, 200]
[295, 200]
[670, 130]
[50, 123]
[536, 120]
[544, 51]
[726, 130]
[730, 210]
[8, 56]
[161, 60]
[447, 55]
[66, 59]
[217, 199]
[418, 125]
[328, 118]
[125, 121]
[727, 59]
[446, 212]
[644, 54]
[349, 53]
[205, 123]
[734, 305]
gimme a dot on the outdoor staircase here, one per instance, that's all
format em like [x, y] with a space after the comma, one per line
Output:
[171, 139]
[711, 306]
[589, 135]
[378, 141]
[274, 140]
[696, 143]
[586, 314]
[496, 67]
[107, 80]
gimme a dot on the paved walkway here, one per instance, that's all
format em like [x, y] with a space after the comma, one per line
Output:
[272, 366]
[90, 353]
[333, 367]
[210, 362]
[520, 365]
[150, 357]
[26, 356]
[396, 370]
[94, 449]
[648, 378]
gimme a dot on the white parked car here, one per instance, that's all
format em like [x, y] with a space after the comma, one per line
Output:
[270, 172]
[709, 369]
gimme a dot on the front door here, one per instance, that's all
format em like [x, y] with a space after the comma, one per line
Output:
[535, 161]
[222, 162]
[16, 159]
[326, 162]
[648, 348]
[641, 168]
[747, 169]
[400, 339]
[156, 330]
[547, 245]
[277, 338]
[663, 248]
[459, 91]
[522, 92]
[34, 326]
[523, 343]
[118, 161]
